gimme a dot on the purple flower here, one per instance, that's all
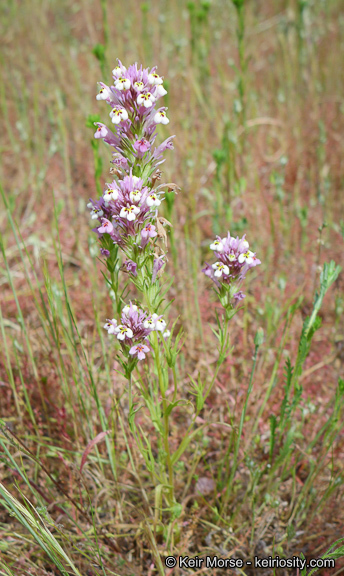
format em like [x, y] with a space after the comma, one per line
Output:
[106, 134]
[134, 328]
[140, 350]
[239, 296]
[234, 259]
[157, 265]
[131, 267]
[142, 146]
[101, 131]
[127, 204]
[209, 271]
[128, 208]
[147, 232]
[166, 144]
[96, 210]
[111, 326]
[120, 161]
[133, 98]
[106, 227]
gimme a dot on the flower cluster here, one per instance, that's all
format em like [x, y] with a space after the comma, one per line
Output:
[234, 259]
[126, 215]
[125, 211]
[128, 209]
[134, 330]
[133, 100]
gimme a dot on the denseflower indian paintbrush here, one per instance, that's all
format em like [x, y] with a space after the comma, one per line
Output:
[130, 229]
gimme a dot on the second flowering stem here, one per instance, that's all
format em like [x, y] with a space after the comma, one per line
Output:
[165, 416]
[149, 295]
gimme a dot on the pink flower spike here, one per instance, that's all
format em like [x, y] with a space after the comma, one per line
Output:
[140, 350]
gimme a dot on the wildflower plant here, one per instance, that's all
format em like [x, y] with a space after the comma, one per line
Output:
[258, 451]
[234, 259]
[129, 228]
[127, 212]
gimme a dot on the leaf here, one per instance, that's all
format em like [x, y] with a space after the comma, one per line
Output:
[184, 444]
[303, 573]
[273, 426]
[91, 119]
[90, 445]
[132, 413]
[171, 406]
[336, 554]
[99, 52]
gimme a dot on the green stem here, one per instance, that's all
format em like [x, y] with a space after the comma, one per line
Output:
[241, 425]
[165, 418]
[220, 359]
[272, 379]
[242, 61]
[156, 349]
[130, 392]
[174, 383]
[105, 23]
[218, 366]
